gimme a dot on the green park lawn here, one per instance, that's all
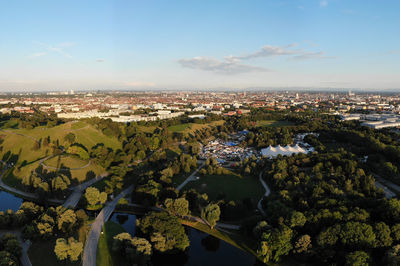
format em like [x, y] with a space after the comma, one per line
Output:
[78, 175]
[273, 123]
[179, 128]
[66, 161]
[22, 145]
[233, 186]
[105, 256]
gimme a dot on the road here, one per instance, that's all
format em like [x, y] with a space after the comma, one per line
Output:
[25, 246]
[71, 201]
[78, 190]
[266, 194]
[385, 185]
[90, 251]
[191, 177]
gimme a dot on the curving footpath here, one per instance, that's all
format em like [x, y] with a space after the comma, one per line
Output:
[90, 251]
[191, 177]
[266, 194]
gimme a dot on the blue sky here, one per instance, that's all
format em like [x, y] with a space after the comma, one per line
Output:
[199, 44]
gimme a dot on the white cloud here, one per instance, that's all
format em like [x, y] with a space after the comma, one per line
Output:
[230, 65]
[56, 49]
[311, 55]
[323, 3]
[100, 60]
[34, 55]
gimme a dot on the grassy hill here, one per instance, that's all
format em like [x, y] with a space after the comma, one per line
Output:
[21, 141]
[192, 127]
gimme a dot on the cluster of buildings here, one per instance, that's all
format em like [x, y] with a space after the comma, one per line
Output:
[376, 121]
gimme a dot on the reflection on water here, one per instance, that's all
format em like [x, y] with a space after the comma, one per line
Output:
[204, 250]
[9, 202]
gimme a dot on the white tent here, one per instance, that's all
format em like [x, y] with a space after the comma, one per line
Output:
[287, 150]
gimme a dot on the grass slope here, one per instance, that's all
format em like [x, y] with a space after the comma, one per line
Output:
[234, 186]
[105, 256]
[21, 141]
[273, 123]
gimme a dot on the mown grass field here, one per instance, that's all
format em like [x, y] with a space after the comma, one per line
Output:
[233, 186]
[105, 256]
[273, 123]
[66, 161]
[192, 127]
[78, 175]
[21, 141]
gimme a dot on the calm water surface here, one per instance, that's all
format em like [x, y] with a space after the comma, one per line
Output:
[204, 250]
[9, 202]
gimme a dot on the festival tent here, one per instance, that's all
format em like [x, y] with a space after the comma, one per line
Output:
[287, 150]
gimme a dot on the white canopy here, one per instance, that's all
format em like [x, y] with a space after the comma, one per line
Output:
[287, 150]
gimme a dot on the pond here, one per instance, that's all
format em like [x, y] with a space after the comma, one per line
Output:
[204, 249]
[9, 202]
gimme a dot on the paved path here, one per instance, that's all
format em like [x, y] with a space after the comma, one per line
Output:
[65, 169]
[388, 193]
[71, 201]
[380, 182]
[78, 190]
[266, 194]
[90, 251]
[24, 245]
[20, 134]
[191, 177]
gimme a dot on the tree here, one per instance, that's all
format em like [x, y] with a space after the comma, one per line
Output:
[303, 244]
[94, 197]
[71, 249]
[165, 231]
[357, 258]
[382, 232]
[178, 206]
[70, 138]
[211, 214]
[297, 219]
[66, 221]
[276, 243]
[7, 259]
[61, 249]
[137, 250]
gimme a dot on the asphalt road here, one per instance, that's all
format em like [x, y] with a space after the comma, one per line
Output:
[90, 251]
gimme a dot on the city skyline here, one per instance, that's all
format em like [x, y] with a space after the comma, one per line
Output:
[194, 45]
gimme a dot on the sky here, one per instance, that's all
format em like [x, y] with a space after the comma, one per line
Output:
[204, 44]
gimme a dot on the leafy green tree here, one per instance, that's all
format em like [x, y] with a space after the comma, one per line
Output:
[297, 219]
[303, 244]
[357, 258]
[70, 138]
[275, 243]
[71, 249]
[7, 259]
[211, 214]
[66, 221]
[178, 206]
[382, 232]
[165, 231]
[357, 234]
[94, 197]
